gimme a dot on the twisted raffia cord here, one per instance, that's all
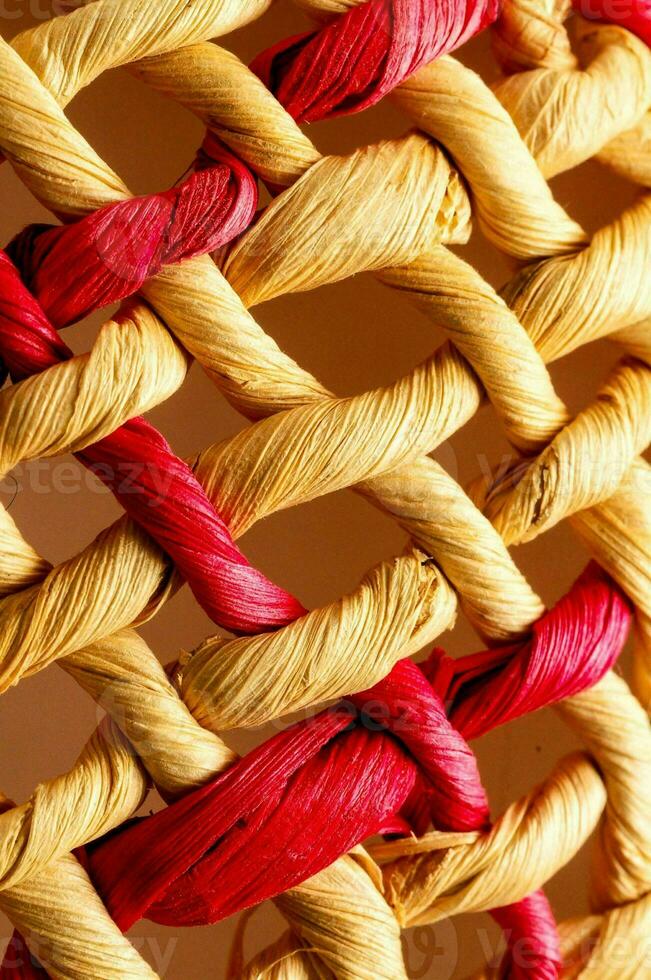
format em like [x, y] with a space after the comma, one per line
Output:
[391, 209]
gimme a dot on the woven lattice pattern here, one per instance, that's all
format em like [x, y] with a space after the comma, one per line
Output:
[367, 815]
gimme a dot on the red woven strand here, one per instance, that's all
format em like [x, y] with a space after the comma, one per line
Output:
[604, 631]
[155, 487]
[635, 15]
[405, 704]
[308, 795]
[315, 790]
[352, 62]
[571, 648]
[74, 269]
[18, 962]
[533, 946]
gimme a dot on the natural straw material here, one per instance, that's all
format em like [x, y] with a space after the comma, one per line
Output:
[382, 744]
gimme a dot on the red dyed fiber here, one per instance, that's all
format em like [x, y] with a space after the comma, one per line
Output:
[316, 789]
[279, 815]
[358, 57]
[533, 947]
[406, 704]
[155, 487]
[157, 850]
[18, 963]
[74, 269]
[634, 15]
[571, 648]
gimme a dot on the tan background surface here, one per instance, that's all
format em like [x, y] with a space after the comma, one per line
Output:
[354, 335]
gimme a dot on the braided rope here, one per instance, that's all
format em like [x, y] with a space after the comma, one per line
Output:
[391, 755]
